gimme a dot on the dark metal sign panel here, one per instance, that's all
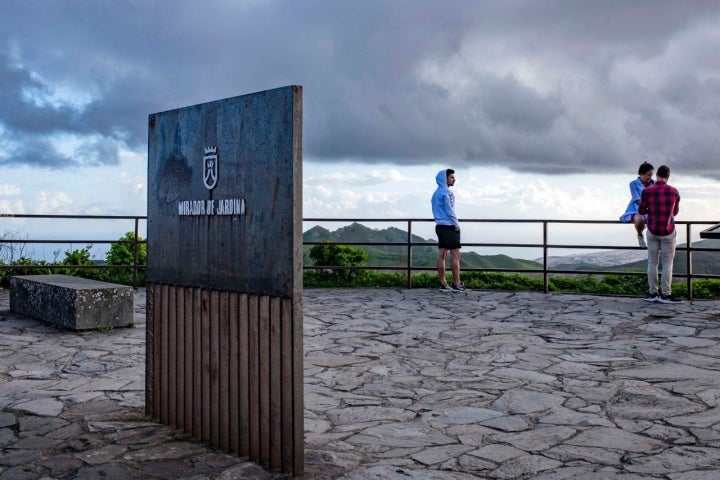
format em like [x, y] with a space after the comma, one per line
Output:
[224, 194]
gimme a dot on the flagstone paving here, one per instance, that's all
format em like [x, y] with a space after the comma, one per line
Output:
[400, 384]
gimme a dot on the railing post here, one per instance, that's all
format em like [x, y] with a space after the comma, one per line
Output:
[688, 260]
[409, 254]
[546, 283]
[135, 254]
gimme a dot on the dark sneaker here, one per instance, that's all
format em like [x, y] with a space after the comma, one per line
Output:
[669, 299]
[458, 288]
[653, 297]
[445, 288]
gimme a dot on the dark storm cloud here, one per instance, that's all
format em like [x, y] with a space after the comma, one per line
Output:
[36, 152]
[553, 87]
[21, 114]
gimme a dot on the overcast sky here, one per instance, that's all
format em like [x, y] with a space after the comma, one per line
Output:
[542, 91]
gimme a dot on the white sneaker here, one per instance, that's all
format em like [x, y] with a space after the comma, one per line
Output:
[641, 241]
[653, 298]
[669, 299]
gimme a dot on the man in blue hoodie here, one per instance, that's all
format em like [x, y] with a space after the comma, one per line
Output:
[447, 228]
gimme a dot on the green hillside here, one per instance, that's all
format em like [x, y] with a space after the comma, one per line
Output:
[396, 255]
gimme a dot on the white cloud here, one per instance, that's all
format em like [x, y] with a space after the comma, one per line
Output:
[57, 202]
[9, 190]
[13, 206]
[496, 193]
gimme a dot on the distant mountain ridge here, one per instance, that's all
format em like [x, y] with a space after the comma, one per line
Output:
[703, 262]
[636, 260]
[598, 259]
[396, 255]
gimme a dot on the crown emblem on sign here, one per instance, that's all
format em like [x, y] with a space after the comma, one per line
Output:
[210, 167]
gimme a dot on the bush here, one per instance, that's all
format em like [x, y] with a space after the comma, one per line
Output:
[78, 257]
[122, 253]
[484, 281]
[331, 255]
[367, 279]
[424, 280]
[707, 288]
[20, 268]
[502, 281]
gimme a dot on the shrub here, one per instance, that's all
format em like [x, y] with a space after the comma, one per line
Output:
[707, 288]
[331, 255]
[20, 268]
[367, 279]
[78, 257]
[122, 253]
[502, 281]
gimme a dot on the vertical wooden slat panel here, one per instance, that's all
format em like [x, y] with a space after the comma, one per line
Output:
[205, 372]
[253, 376]
[197, 363]
[233, 373]
[224, 372]
[188, 359]
[227, 371]
[275, 437]
[298, 435]
[172, 356]
[244, 376]
[164, 354]
[179, 357]
[215, 368]
[264, 379]
[286, 347]
[150, 336]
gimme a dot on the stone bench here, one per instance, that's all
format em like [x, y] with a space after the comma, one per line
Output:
[72, 302]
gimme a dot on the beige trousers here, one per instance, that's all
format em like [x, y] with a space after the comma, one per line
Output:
[660, 249]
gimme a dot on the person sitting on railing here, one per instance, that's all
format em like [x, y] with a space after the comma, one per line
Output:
[447, 228]
[645, 174]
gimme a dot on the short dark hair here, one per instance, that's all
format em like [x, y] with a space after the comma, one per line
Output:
[644, 168]
[449, 171]
[663, 171]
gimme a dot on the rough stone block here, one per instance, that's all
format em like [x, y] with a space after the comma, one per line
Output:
[72, 302]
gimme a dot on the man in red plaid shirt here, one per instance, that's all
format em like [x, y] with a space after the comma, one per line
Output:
[660, 202]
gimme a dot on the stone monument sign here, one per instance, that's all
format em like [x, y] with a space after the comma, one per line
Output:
[224, 281]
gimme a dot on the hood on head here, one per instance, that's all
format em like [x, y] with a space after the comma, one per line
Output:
[441, 178]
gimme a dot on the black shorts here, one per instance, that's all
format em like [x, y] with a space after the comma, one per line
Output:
[448, 237]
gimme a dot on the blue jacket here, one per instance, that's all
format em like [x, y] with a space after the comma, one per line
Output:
[636, 189]
[443, 202]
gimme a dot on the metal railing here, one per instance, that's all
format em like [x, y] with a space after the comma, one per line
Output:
[544, 245]
[136, 265]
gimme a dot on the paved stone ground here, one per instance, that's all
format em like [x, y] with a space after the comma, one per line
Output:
[401, 384]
